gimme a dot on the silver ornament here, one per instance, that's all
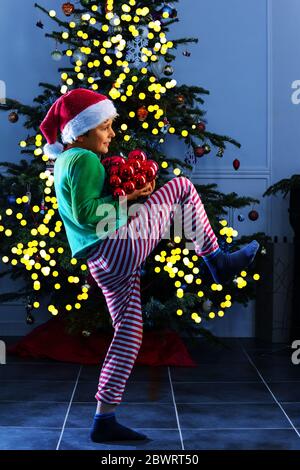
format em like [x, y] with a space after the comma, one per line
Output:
[56, 55]
[114, 21]
[168, 70]
[78, 55]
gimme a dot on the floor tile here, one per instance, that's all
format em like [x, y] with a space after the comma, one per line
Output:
[33, 414]
[275, 371]
[226, 392]
[36, 390]
[236, 372]
[272, 355]
[28, 438]
[293, 412]
[249, 439]
[244, 414]
[204, 352]
[229, 416]
[285, 391]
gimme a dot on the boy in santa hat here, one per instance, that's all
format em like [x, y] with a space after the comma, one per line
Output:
[84, 119]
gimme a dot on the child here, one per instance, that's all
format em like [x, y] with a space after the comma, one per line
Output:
[114, 257]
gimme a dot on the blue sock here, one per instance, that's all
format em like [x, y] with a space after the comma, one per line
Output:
[104, 415]
[106, 428]
[224, 266]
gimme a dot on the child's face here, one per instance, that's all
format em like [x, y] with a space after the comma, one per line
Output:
[98, 139]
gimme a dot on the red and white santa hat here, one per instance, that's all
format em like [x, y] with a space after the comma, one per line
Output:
[73, 114]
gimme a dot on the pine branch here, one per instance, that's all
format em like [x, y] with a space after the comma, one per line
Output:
[218, 138]
[178, 42]
[284, 186]
[170, 22]
[57, 36]
[235, 201]
[13, 104]
[50, 87]
[54, 18]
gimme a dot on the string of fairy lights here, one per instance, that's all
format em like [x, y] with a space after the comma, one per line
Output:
[39, 256]
[178, 254]
[131, 17]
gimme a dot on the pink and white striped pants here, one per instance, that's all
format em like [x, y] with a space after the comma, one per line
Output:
[116, 266]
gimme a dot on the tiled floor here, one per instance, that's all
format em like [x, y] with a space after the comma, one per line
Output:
[242, 396]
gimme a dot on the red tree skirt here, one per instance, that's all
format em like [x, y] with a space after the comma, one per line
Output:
[50, 340]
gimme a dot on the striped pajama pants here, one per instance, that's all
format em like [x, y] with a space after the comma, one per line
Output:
[116, 267]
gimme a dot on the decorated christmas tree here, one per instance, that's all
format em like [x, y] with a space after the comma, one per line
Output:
[121, 49]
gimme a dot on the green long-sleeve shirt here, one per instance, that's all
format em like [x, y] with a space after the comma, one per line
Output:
[81, 188]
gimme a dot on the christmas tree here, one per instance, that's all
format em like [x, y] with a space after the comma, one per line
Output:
[122, 49]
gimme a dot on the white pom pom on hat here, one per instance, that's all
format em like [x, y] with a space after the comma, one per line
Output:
[53, 150]
[73, 114]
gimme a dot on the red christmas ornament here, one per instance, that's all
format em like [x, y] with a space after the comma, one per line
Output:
[118, 192]
[236, 164]
[140, 181]
[142, 113]
[149, 171]
[126, 171]
[114, 170]
[129, 187]
[117, 160]
[68, 8]
[150, 174]
[125, 176]
[253, 215]
[136, 165]
[201, 126]
[137, 154]
[153, 164]
[199, 151]
[13, 117]
[115, 181]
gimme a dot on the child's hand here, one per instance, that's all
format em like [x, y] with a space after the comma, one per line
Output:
[149, 188]
[146, 191]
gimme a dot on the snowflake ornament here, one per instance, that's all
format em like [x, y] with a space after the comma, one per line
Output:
[134, 48]
[190, 158]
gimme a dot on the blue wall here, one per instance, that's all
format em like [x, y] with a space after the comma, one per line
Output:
[247, 56]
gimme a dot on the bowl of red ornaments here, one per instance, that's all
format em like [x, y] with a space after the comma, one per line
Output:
[127, 175]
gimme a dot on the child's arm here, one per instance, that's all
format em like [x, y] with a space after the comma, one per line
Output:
[86, 179]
